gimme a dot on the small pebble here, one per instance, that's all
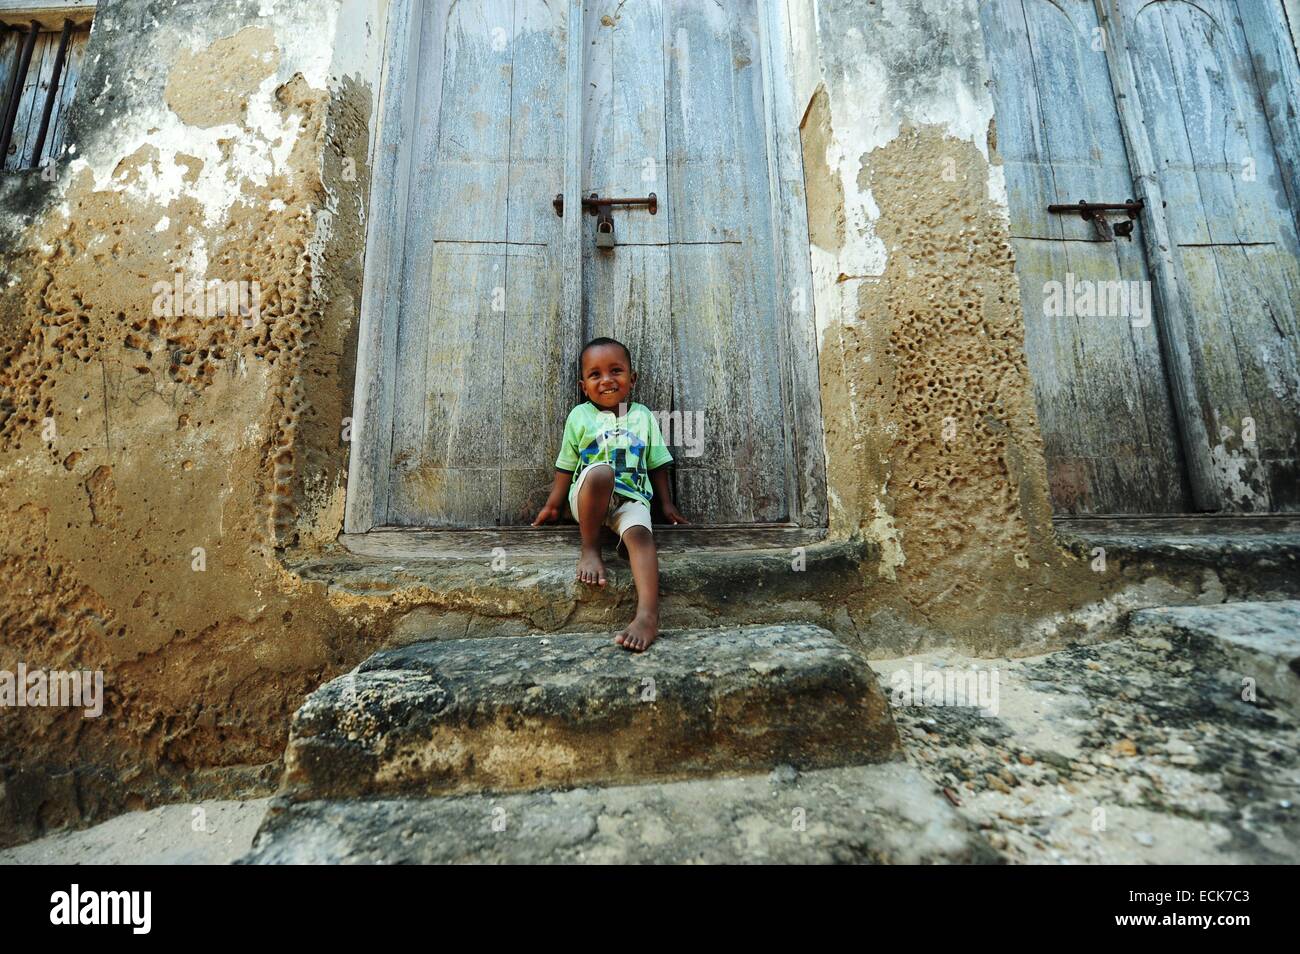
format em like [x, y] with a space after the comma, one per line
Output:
[997, 783]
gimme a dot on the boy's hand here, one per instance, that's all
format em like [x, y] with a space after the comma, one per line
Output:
[548, 514]
[672, 514]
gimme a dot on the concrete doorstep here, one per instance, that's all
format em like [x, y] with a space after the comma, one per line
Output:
[1144, 749]
[519, 713]
[1260, 639]
[883, 814]
[530, 724]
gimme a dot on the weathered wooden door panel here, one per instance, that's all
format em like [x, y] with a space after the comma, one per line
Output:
[1232, 216]
[1104, 408]
[1215, 133]
[481, 350]
[674, 105]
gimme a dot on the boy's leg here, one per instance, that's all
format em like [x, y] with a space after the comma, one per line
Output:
[641, 553]
[593, 505]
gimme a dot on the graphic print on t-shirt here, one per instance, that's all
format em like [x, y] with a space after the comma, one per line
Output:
[632, 445]
[622, 445]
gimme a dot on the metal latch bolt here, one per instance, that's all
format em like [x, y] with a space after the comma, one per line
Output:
[1097, 212]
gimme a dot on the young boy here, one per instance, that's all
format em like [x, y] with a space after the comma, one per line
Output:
[613, 452]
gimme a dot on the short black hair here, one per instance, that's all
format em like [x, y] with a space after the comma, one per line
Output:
[596, 343]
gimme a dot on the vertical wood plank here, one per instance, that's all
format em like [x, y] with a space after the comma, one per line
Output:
[420, 261]
[11, 46]
[30, 102]
[536, 343]
[721, 263]
[1273, 53]
[625, 292]
[68, 82]
[447, 438]
[571, 257]
[372, 410]
[794, 297]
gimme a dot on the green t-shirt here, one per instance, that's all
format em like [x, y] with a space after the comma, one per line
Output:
[632, 444]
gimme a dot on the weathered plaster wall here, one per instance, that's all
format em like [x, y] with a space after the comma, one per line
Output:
[933, 446]
[229, 140]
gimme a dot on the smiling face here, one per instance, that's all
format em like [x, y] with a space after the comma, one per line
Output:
[607, 376]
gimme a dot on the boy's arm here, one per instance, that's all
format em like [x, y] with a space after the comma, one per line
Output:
[559, 493]
[659, 480]
[657, 460]
[565, 464]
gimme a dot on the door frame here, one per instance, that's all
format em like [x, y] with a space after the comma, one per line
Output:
[373, 399]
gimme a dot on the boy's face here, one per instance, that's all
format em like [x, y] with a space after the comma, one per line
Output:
[607, 378]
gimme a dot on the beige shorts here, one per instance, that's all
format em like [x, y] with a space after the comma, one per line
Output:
[623, 513]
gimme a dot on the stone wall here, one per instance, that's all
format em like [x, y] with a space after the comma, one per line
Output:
[154, 460]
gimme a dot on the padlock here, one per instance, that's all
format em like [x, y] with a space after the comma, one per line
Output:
[605, 231]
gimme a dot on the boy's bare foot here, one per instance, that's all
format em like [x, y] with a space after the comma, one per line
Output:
[591, 568]
[640, 633]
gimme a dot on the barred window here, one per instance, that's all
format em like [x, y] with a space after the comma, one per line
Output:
[41, 50]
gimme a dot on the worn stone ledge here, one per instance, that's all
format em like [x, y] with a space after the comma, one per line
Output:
[532, 712]
[1192, 543]
[525, 594]
[1261, 639]
[881, 814]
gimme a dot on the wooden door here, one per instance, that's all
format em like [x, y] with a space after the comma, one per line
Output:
[674, 104]
[1104, 407]
[1198, 409]
[1217, 94]
[479, 295]
[483, 343]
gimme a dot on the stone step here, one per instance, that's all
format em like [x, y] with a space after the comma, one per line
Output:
[516, 713]
[884, 814]
[1261, 639]
[501, 587]
[1249, 557]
